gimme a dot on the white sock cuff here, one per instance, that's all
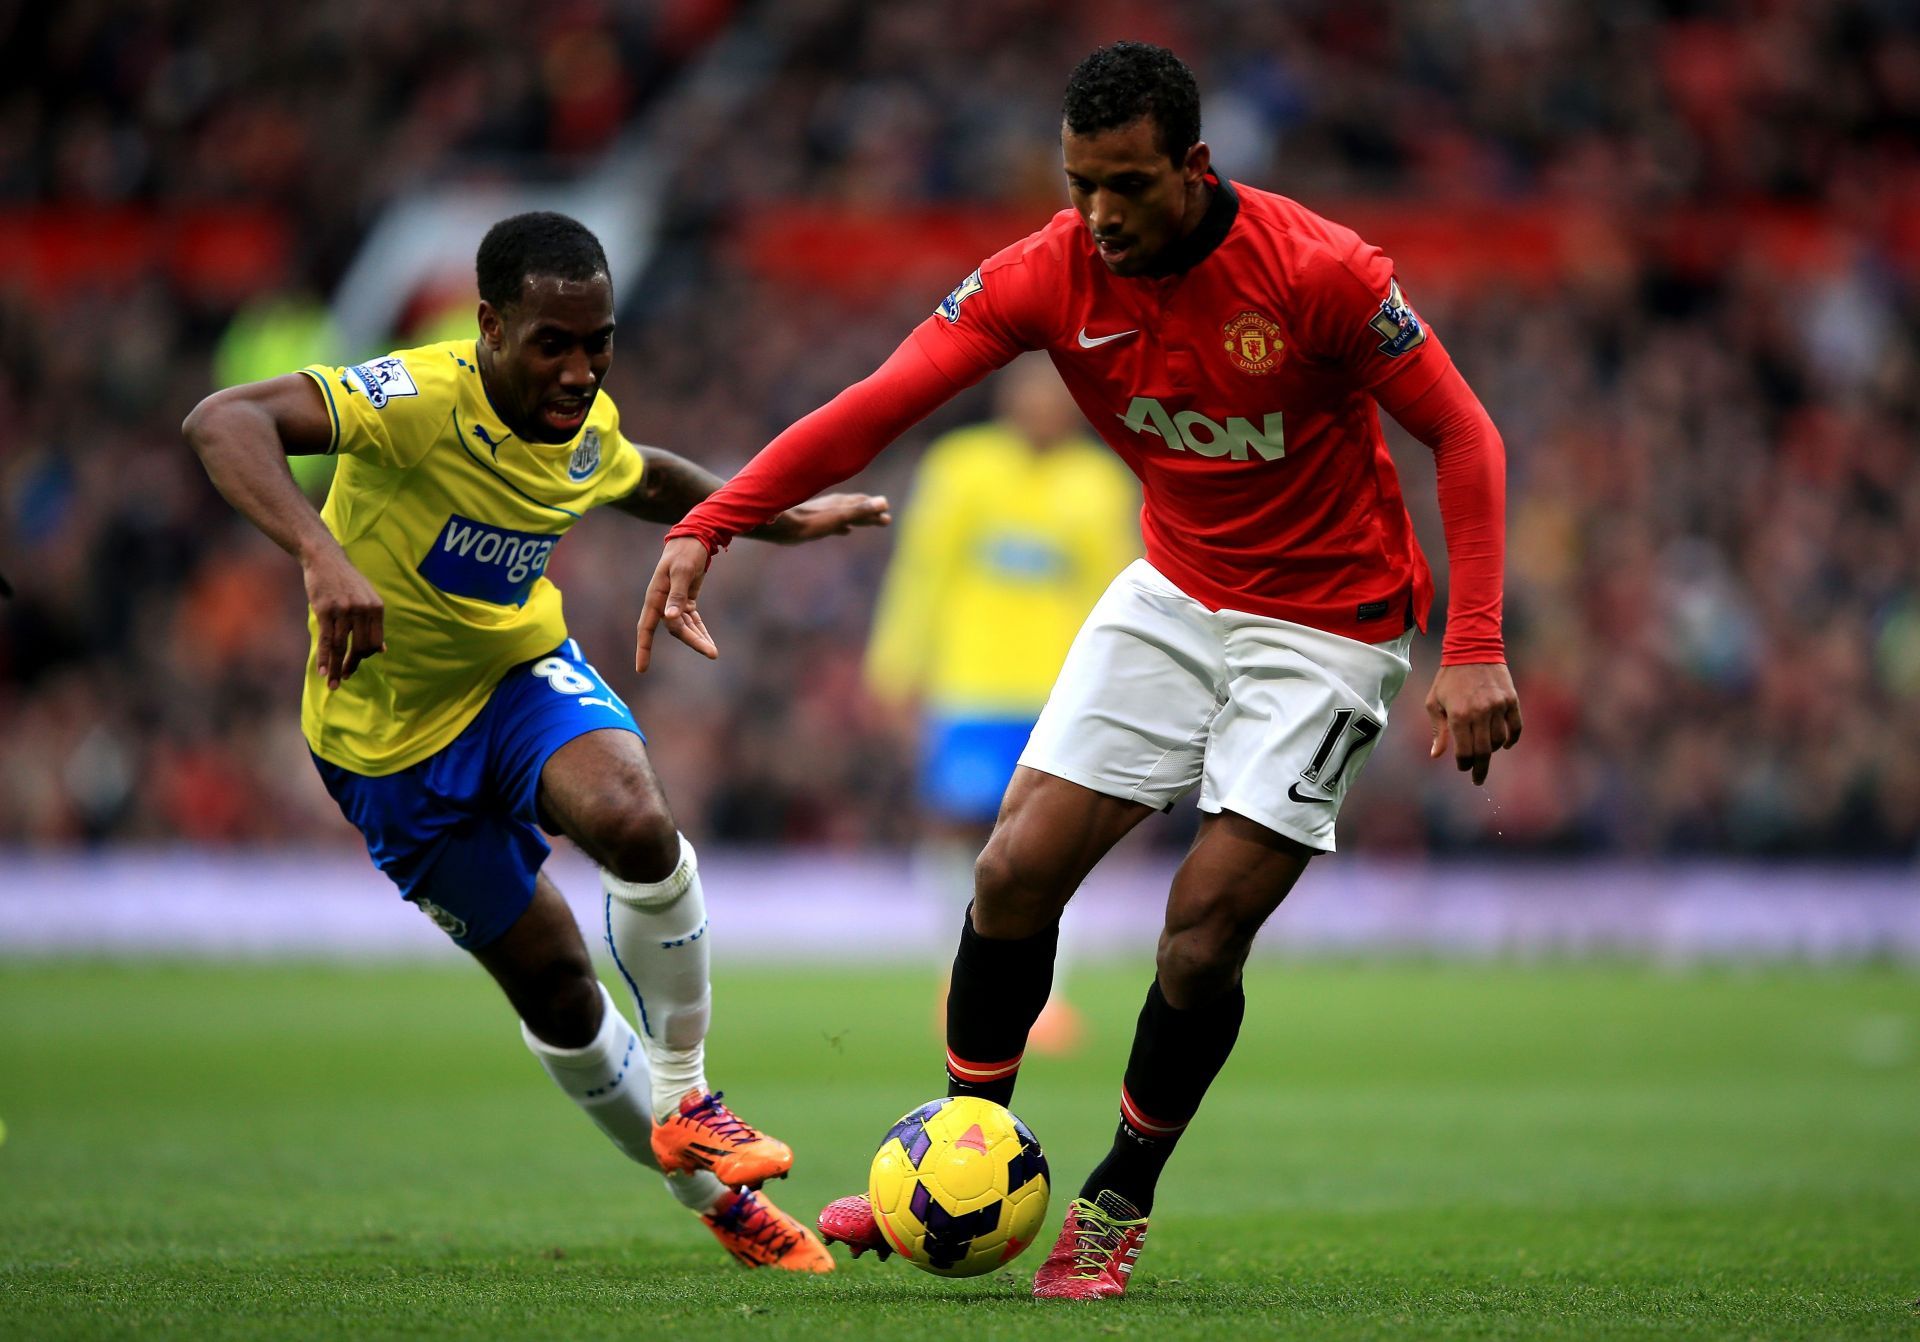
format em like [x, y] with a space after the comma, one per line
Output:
[596, 1053]
[654, 896]
[698, 1192]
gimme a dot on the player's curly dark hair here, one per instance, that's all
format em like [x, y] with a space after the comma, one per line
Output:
[539, 243]
[1119, 84]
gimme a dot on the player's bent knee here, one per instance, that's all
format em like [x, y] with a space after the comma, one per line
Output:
[655, 897]
[640, 846]
[1196, 965]
[1009, 901]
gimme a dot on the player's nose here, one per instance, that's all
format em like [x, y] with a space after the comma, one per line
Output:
[576, 373]
[1104, 213]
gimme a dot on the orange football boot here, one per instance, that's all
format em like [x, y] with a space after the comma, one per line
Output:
[704, 1135]
[759, 1234]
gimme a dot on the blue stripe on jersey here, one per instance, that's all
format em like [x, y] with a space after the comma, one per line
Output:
[333, 412]
[460, 437]
[486, 563]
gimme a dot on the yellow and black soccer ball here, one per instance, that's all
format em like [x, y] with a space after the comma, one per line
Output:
[959, 1187]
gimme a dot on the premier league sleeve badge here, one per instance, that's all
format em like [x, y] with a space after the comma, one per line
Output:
[1399, 329]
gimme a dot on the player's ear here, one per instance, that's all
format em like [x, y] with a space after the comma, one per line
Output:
[491, 330]
[1199, 160]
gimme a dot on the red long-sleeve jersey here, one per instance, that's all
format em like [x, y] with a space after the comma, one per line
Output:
[1240, 386]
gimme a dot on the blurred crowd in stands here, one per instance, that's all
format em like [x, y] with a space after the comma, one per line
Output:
[1714, 576]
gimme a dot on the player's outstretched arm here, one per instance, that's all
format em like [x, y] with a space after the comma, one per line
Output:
[828, 515]
[673, 595]
[671, 486]
[243, 436]
[827, 446]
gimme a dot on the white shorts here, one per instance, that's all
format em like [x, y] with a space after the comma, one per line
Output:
[1272, 719]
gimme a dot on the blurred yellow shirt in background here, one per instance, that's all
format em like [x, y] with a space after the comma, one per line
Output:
[1002, 551]
[452, 518]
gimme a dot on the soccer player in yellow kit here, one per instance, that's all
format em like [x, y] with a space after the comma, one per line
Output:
[1013, 530]
[453, 719]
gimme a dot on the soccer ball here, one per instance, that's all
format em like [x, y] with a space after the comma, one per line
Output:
[959, 1187]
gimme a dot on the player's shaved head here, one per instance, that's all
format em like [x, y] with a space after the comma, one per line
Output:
[540, 243]
[1119, 84]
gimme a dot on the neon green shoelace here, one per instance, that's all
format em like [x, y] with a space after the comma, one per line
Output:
[1097, 1237]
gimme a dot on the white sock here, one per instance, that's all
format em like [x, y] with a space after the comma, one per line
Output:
[698, 1191]
[608, 1080]
[658, 932]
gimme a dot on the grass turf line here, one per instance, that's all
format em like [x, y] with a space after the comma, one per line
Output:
[1395, 1150]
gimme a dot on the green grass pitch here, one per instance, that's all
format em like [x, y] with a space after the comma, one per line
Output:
[1396, 1150]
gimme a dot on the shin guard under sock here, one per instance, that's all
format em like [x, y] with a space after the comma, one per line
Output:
[997, 991]
[1176, 1054]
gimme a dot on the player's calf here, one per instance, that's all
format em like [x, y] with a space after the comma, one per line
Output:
[1236, 875]
[563, 1004]
[542, 966]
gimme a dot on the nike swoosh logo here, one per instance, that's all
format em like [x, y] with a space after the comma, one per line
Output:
[1294, 794]
[1094, 342]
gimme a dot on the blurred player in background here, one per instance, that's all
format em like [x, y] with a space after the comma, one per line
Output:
[461, 465]
[1232, 347]
[275, 332]
[1014, 529]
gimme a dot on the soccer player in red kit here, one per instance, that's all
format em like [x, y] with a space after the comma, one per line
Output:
[1231, 346]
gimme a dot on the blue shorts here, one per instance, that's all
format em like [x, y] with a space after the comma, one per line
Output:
[967, 763]
[460, 832]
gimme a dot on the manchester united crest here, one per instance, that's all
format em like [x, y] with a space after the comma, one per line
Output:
[1252, 342]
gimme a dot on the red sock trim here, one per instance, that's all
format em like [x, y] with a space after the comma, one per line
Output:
[962, 1070]
[1151, 1127]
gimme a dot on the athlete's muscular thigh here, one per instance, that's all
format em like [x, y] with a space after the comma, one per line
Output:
[600, 791]
[1050, 835]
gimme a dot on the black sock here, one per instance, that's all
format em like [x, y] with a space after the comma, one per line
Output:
[1176, 1054]
[997, 991]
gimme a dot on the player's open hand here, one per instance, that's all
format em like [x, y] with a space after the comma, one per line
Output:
[673, 596]
[1475, 709]
[348, 613]
[828, 515]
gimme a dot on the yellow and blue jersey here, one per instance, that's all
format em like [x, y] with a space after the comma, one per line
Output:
[1002, 551]
[453, 519]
